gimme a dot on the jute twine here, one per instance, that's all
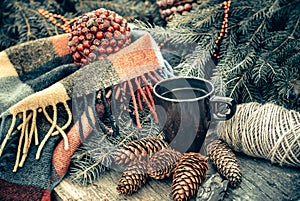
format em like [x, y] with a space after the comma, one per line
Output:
[267, 131]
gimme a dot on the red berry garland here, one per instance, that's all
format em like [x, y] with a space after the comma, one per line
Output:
[98, 34]
[168, 8]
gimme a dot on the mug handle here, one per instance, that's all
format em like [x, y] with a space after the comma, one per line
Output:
[222, 116]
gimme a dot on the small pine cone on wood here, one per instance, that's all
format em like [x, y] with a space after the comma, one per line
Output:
[162, 163]
[225, 161]
[133, 178]
[139, 149]
[189, 174]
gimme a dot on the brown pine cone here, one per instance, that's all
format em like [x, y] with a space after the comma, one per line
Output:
[162, 163]
[225, 161]
[97, 34]
[139, 149]
[133, 177]
[189, 173]
[168, 8]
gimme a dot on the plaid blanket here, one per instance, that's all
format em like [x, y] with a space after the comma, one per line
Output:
[40, 125]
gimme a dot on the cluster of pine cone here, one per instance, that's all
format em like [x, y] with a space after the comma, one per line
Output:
[98, 34]
[169, 8]
[152, 157]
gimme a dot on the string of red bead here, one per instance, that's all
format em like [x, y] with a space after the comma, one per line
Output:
[224, 29]
[58, 20]
[168, 8]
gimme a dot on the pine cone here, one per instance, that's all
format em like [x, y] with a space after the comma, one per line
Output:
[139, 149]
[133, 178]
[97, 34]
[189, 173]
[168, 8]
[225, 161]
[162, 163]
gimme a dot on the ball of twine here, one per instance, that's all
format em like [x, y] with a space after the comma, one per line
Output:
[267, 131]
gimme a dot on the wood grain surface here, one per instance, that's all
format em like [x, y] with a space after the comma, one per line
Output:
[261, 181]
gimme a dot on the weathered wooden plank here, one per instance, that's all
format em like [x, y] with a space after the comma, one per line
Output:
[261, 181]
[105, 189]
[214, 188]
[264, 181]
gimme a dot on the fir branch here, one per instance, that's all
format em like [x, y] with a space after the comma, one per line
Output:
[108, 4]
[271, 40]
[247, 76]
[218, 82]
[239, 87]
[262, 68]
[195, 64]
[23, 22]
[88, 170]
[246, 62]
[129, 130]
[91, 159]
[254, 39]
[248, 94]
[260, 16]
[29, 34]
[235, 74]
[286, 50]
[199, 18]
[290, 37]
[292, 60]
[178, 37]
[210, 19]
[6, 41]
[131, 10]
[95, 156]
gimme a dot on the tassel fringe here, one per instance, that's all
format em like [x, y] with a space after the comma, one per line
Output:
[139, 89]
[26, 112]
[29, 132]
[144, 85]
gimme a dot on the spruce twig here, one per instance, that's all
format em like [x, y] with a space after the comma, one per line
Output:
[259, 55]
[96, 155]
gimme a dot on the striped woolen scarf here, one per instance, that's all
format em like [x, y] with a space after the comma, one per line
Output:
[47, 106]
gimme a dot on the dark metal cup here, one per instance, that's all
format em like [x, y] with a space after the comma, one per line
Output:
[185, 108]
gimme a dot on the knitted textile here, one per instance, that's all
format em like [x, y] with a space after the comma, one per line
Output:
[47, 106]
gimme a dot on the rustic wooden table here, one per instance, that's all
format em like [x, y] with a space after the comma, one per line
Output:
[261, 181]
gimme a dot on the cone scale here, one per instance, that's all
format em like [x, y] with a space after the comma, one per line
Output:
[161, 164]
[133, 178]
[189, 174]
[225, 161]
[139, 149]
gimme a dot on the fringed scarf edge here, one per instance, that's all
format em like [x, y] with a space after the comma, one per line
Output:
[153, 70]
